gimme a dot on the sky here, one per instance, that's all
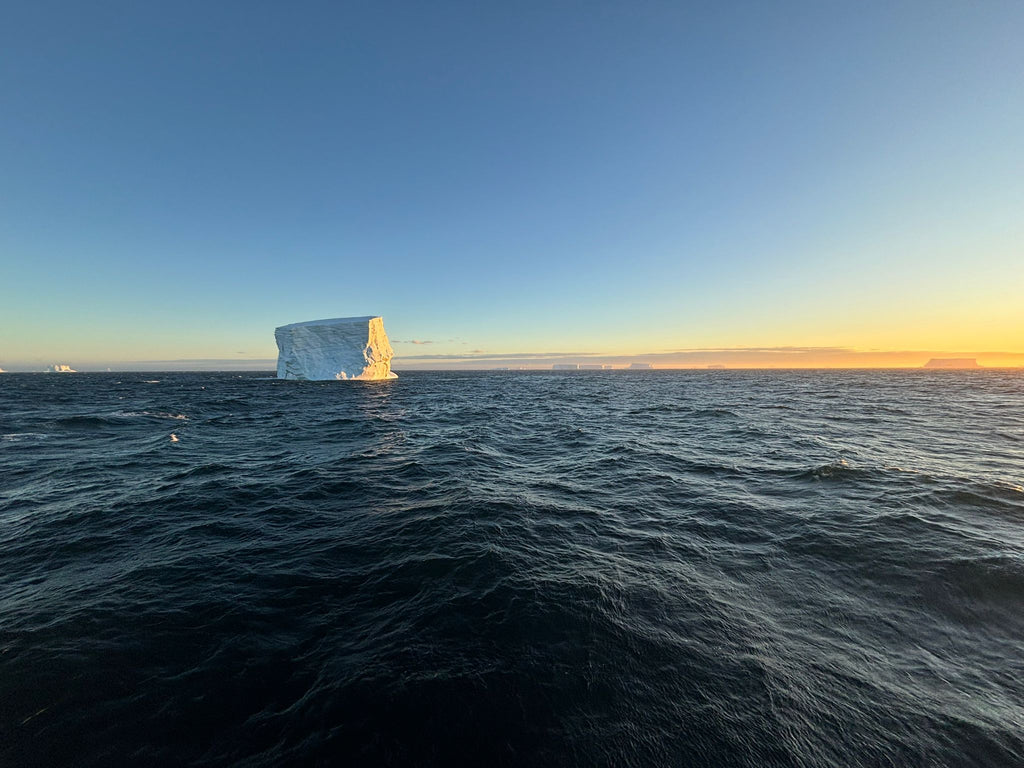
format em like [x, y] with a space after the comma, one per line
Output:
[752, 183]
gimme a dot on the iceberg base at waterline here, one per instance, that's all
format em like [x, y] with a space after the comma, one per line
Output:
[343, 348]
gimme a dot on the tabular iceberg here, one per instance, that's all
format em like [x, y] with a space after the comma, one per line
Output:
[952, 362]
[340, 348]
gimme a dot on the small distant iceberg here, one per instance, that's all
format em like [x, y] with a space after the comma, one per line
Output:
[952, 362]
[342, 348]
[594, 367]
[640, 367]
[60, 368]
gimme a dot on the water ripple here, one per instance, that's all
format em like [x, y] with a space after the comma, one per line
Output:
[650, 568]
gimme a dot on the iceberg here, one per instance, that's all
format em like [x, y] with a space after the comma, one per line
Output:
[60, 368]
[339, 348]
[952, 362]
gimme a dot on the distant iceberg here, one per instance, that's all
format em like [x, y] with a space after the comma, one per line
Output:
[339, 348]
[640, 366]
[60, 368]
[952, 362]
[594, 367]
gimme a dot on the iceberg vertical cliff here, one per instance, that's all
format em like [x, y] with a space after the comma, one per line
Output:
[341, 348]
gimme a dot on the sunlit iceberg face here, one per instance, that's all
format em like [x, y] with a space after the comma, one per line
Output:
[339, 348]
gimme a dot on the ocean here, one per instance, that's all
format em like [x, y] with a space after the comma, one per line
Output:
[650, 568]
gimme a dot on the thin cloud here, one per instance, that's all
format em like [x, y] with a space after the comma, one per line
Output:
[773, 350]
[479, 354]
[178, 360]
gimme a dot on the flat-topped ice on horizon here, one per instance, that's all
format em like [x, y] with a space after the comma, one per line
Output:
[952, 362]
[335, 348]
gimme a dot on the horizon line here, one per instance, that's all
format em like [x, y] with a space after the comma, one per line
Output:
[747, 358]
[549, 368]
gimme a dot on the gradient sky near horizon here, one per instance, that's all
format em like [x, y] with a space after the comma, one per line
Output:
[177, 179]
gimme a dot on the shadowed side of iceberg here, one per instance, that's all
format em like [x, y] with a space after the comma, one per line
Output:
[338, 348]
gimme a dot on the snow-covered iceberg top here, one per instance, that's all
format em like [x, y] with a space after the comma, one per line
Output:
[339, 348]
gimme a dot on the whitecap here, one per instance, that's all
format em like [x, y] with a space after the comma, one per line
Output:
[152, 414]
[17, 437]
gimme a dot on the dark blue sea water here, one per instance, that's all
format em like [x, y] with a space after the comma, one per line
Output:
[584, 569]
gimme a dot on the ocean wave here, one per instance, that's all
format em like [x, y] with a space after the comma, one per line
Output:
[83, 422]
[150, 414]
[512, 570]
[18, 437]
[837, 470]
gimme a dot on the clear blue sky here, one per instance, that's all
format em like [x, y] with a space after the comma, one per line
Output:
[178, 178]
